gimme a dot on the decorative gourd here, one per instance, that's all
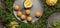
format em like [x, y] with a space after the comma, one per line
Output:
[28, 4]
[13, 26]
[51, 2]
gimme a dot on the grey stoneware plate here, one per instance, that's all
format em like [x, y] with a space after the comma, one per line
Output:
[53, 17]
[37, 6]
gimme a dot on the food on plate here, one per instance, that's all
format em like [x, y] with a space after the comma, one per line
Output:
[23, 17]
[29, 19]
[16, 7]
[37, 14]
[28, 4]
[51, 2]
[27, 12]
[19, 13]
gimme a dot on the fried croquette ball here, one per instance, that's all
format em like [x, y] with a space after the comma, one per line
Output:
[29, 19]
[37, 14]
[27, 12]
[16, 7]
[19, 13]
[23, 17]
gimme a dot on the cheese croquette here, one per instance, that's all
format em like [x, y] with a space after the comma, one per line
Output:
[19, 13]
[23, 17]
[37, 14]
[29, 19]
[16, 7]
[27, 12]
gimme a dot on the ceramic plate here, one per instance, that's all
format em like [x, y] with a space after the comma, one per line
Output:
[37, 6]
[53, 17]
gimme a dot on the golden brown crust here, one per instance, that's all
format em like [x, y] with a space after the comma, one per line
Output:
[19, 13]
[27, 12]
[29, 19]
[37, 14]
[16, 7]
[23, 17]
